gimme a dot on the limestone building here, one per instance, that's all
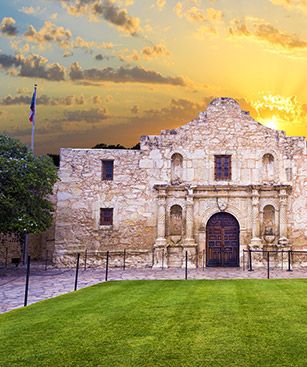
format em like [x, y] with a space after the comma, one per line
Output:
[213, 187]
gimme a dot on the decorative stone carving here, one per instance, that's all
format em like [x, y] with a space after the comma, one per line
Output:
[268, 167]
[255, 241]
[268, 224]
[222, 203]
[283, 240]
[176, 169]
[176, 220]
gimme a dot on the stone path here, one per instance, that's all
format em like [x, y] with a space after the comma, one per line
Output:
[53, 282]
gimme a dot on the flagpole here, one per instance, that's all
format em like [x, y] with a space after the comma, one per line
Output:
[33, 122]
[33, 112]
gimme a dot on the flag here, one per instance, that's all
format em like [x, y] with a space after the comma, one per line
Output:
[33, 106]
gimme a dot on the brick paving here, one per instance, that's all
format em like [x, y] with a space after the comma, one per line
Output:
[54, 282]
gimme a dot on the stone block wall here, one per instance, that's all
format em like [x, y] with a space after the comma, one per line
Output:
[268, 168]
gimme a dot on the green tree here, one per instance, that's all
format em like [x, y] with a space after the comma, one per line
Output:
[25, 183]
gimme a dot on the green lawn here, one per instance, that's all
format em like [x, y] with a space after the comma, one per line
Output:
[163, 323]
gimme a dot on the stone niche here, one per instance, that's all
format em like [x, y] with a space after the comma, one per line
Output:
[269, 230]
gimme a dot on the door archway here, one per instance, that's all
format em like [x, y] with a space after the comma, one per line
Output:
[222, 240]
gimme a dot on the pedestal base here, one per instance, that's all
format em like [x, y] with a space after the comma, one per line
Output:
[159, 249]
[255, 243]
[190, 247]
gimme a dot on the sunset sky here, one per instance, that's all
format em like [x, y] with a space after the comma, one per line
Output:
[109, 71]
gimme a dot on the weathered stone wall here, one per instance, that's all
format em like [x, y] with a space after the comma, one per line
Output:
[144, 187]
[40, 245]
[82, 192]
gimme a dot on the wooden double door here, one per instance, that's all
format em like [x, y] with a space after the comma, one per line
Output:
[222, 235]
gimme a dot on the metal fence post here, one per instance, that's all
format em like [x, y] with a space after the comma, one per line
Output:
[27, 281]
[124, 266]
[197, 257]
[46, 261]
[250, 268]
[186, 265]
[268, 261]
[162, 258]
[282, 259]
[77, 271]
[85, 259]
[289, 260]
[107, 267]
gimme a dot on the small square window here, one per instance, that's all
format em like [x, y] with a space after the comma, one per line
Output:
[222, 165]
[107, 170]
[106, 216]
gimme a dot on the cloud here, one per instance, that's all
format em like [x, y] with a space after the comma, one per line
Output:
[33, 66]
[31, 10]
[123, 75]
[79, 42]
[154, 51]
[160, 4]
[196, 14]
[283, 108]
[177, 110]
[300, 5]
[43, 100]
[8, 61]
[105, 9]
[146, 53]
[266, 32]
[49, 33]
[36, 66]
[99, 57]
[205, 19]
[89, 116]
[7, 26]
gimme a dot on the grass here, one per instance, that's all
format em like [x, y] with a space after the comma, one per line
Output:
[163, 323]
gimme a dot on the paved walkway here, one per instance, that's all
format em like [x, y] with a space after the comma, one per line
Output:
[53, 282]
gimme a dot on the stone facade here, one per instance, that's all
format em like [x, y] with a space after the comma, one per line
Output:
[164, 194]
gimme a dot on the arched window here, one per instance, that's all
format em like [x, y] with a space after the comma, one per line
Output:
[269, 220]
[176, 220]
[177, 168]
[268, 167]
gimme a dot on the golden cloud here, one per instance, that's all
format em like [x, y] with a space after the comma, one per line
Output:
[160, 4]
[257, 29]
[8, 27]
[300, 5]
[49, 33]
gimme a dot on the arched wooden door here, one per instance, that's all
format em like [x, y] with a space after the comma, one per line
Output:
[222, 242]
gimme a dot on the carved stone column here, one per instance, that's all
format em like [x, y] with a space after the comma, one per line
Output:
[189, 244]
[283, 239]
[255, 241]
[160, 244]
[189, 220]
[202, 244]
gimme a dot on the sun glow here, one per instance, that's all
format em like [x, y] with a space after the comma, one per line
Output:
[271, 123]
[277, 105]
[276, 111]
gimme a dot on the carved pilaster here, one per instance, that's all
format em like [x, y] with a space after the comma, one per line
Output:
[160, 244]
[255, 241]
[189, 244]
[283, 239]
